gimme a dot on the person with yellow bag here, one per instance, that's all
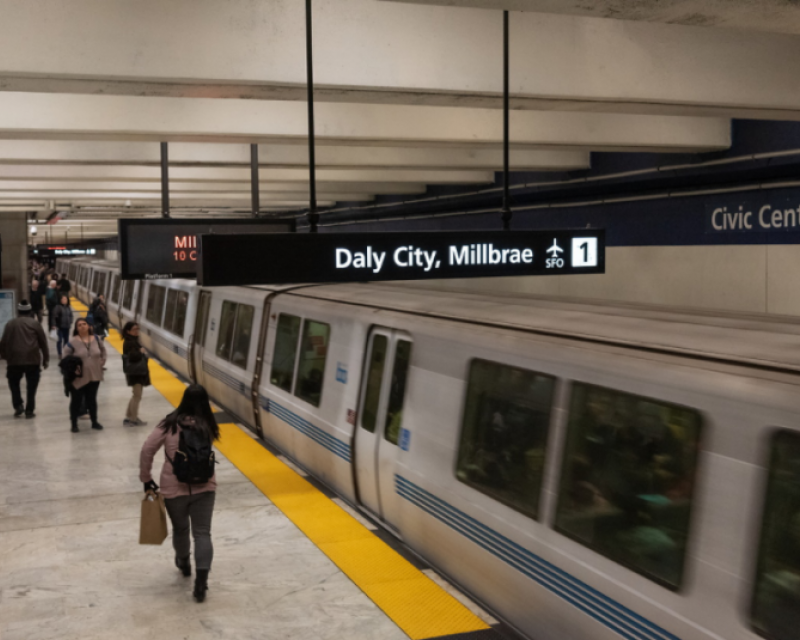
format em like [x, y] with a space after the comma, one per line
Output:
[188, 481]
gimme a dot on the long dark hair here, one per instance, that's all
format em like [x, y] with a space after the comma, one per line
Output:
[126, 330]
[194, 404]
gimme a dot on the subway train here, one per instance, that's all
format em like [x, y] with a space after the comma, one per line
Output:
[582, 470]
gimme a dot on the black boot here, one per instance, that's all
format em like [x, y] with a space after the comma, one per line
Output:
[200, 585]
[185, 566]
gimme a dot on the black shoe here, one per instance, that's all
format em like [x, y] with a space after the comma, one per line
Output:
[74, 428]
[185, 566]
[19, 411]
[97, 426]
[28, 416]
[200, 585]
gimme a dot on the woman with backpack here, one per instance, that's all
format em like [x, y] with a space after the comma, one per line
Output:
[188, 482]
[62, 321]
[133, 359]
[88, 347]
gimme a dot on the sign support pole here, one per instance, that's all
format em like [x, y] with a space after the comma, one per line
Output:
[506, 209]
[164, 180]
[313, 216]
[256, 204]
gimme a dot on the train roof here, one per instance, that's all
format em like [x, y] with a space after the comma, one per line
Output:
[765, 341]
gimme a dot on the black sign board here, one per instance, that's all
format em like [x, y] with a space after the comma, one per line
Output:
[359, 257]
[167, 248]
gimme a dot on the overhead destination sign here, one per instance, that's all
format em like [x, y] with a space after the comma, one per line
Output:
[359, 257]
[168, 248]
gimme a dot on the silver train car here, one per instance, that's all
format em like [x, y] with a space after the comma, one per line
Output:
[584, 471]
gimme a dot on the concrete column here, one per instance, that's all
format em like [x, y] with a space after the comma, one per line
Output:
[14, 238]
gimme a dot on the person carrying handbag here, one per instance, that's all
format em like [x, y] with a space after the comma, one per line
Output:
[92, 353]
[188, 481]
[137, 373]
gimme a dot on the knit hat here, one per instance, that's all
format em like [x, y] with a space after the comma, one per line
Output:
[24, 306]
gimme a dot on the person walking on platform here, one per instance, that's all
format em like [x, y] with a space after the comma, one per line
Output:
[62, 321]
[99, 316]
[51, 300]
[24, 347]
[64, 287]
[134, 359]
[188, 482]
[90, 349]
[37, 301]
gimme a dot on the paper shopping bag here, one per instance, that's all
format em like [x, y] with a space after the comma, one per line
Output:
[153, 528]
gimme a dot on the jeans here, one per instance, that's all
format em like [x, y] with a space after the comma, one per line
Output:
[14, 374]
[63, 338]
[133, 406]
[50, 318]
[87, 394]
[198, 509]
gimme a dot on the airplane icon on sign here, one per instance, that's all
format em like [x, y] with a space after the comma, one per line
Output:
[555, 249]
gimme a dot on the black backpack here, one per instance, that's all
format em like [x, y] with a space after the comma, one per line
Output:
[194, 460]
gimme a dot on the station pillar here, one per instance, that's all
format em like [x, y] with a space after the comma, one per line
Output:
[14, 252]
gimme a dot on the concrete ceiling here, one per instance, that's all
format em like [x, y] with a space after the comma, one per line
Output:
[408, 95]
[778, 16]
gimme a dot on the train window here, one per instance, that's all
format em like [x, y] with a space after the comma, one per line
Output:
[397, 391]
[155, 304]
[285, 353]
[504, 438]
[179, 319]
[127, 293]
[115, 284]
[101, 283]
[776, 602]
[311, 364]
[227, 323]
[241, 338]
[94, 281]
[628, 478]
[372, 389]
[169, 312]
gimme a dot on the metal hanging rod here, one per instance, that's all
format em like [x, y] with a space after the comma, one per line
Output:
[254, 189]
[164, 180]
[506, 208]
[313, 216]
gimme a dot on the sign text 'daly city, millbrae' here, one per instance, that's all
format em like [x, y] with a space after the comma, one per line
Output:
[360, 257]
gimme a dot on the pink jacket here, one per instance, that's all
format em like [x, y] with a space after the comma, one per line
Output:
[170, 486]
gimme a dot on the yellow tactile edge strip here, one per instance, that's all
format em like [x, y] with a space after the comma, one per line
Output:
[415, 603]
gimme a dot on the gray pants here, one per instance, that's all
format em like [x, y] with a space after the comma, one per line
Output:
[198, 509]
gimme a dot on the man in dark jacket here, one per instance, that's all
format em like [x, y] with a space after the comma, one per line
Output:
[24, 347]
[37, 300]
[64, 286]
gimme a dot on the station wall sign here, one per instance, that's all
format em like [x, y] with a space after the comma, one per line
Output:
[361, 257]
[52, 250]
[151, 249]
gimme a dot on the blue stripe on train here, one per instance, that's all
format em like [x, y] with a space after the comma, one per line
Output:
[608, 612]
[227, 379]
[341, 449]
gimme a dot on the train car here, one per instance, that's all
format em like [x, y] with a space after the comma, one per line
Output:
[584, 471]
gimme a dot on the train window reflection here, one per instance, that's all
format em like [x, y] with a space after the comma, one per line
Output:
[179, 320]
[311, 365]
[372, 389]
[397, 390]
[285, 353]
[169, 314]
[241, 337]
[127, 294]
[155, 304]
[628, 478]
[227, 324]
[503, 442]
[776, 603]
[115, 289]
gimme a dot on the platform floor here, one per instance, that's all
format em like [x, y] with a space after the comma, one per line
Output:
[70, 565]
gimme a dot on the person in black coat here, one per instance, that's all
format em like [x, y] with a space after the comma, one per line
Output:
[133, 353]
[100, 317]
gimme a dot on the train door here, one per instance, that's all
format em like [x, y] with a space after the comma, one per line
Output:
[379, 433]
[199, 337]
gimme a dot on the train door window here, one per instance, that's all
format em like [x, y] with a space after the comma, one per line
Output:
[776, 601]
[504, 438]
[372, 388]
[242, 335]
[169, 308]
[227, 324]
[115, 283]
[201, 324]
[179, 319]
[155, 304]
[94, 281]
[127, 294]
[397, 391]
[101, 283]
[285, 353]
[628, 479]
[311, 364]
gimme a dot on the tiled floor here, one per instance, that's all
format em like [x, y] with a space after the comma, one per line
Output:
[71, 565]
